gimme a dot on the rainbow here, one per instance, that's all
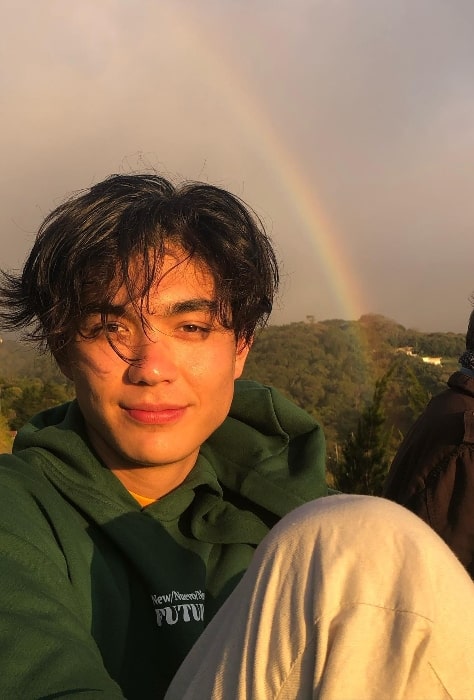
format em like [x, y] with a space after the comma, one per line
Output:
[219, 70]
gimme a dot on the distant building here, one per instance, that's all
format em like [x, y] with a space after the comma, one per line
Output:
[432, 360]
[425, 358]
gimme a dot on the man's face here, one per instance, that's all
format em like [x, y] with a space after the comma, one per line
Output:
[160, 409]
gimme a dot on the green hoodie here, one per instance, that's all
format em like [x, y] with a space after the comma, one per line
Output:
[100, 597]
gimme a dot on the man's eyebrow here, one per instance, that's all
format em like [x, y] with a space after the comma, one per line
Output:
[190, 305]
[173, 309]
[106, 309]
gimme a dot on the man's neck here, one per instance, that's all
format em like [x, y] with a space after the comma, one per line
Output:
[153, 482]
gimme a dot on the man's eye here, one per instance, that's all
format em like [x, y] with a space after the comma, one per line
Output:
[194, 329]
[114, 327]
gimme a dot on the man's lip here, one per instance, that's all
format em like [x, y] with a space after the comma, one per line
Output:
[156, 414]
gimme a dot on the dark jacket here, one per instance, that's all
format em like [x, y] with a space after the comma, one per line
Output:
[101, 598]
[433, 471]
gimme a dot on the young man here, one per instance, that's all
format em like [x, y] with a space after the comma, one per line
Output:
[130, 515]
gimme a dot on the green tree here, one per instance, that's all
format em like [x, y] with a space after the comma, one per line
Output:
[365, 457]
[35, 397]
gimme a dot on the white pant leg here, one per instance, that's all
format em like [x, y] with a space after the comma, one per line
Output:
[347, 598]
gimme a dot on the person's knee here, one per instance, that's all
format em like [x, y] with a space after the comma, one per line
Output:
[348, 516]
[366, 547]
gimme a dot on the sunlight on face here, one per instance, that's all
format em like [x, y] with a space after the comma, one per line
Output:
[157, 408]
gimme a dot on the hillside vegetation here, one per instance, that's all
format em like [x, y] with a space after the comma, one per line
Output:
[365, 381]
[357, 380]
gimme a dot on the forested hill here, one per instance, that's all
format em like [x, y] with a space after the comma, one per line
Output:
[335, 369]
[331, 368]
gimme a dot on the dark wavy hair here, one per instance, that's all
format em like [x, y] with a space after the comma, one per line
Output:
[87, 247]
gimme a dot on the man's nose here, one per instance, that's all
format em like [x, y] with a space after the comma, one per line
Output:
[153, 362]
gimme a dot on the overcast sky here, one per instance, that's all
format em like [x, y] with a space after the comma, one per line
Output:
[347, 124]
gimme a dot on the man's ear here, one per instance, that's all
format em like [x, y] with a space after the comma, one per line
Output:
[243, 349]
